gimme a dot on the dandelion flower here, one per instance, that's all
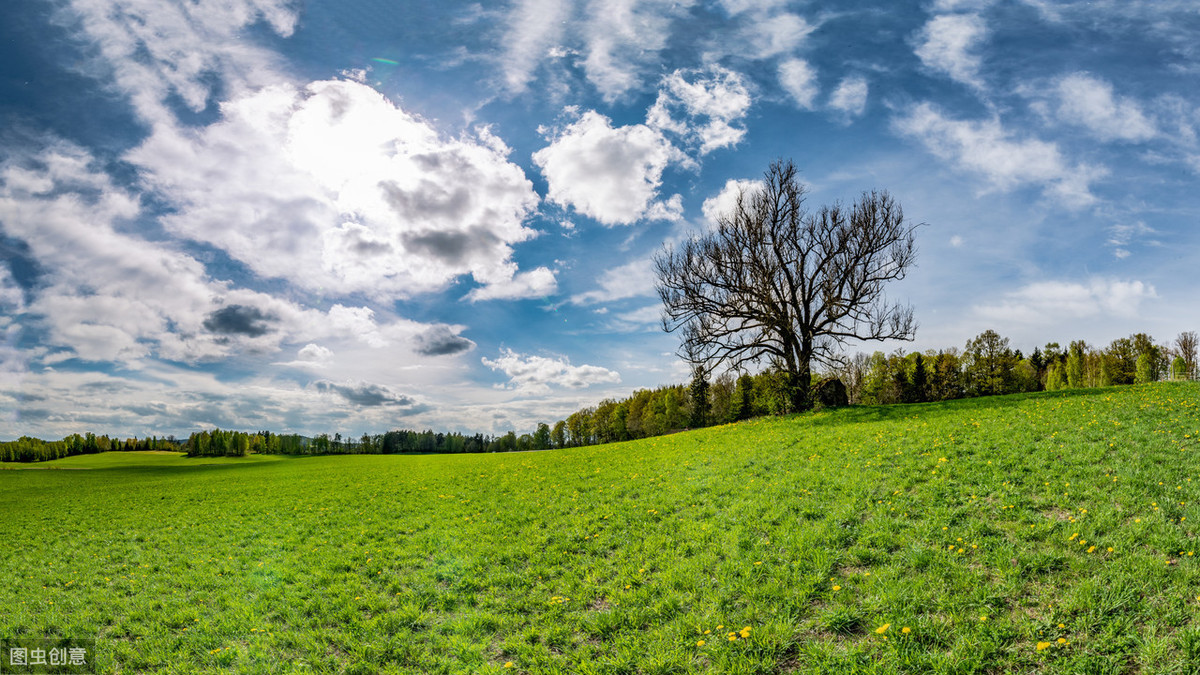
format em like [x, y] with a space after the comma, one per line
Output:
[1042, 645]
[508, 664]
[1062, 641]
[837, 588]
[906, 630]
[883, 629]
[699, 643]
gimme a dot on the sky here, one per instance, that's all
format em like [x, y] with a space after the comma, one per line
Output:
[352, 216]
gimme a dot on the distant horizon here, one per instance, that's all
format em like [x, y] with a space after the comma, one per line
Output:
[266, 214]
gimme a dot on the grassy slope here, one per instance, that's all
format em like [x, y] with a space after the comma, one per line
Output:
[813, 531]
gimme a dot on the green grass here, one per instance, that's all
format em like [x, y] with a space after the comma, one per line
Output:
[620, 558]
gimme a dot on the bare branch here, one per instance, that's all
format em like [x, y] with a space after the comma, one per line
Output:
[776, 282]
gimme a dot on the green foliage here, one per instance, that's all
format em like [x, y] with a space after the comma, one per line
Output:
[1179, 369]
[1052, 515]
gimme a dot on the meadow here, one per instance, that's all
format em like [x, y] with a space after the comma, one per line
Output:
[1034, 533]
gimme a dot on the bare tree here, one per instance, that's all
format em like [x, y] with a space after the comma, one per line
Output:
[776, 282]
[1187, 342]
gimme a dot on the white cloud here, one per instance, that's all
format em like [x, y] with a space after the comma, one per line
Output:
[986, 148]
[769, 35]
[534, 374]
[610, 174]
[712, 102]
[108, 296]
[949, 44]
[155, 49]
[1122, 236]
[535, 283]
[622, 38]
[1049, 301]
[799, 79]
[956, 241]
[633, 279]
[726, 200]
[1089, 102]
[12, 298]
[334, 187]
[533, 28]
[650, 314]
[850, 97]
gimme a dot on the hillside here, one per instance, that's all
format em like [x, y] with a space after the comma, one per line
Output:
[1033, 533]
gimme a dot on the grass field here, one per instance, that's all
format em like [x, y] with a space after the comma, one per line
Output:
[1047, 533]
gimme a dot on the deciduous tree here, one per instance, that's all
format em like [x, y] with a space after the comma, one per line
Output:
[774, 282]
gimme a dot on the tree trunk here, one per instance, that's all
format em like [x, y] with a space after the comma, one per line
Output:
[800, 386]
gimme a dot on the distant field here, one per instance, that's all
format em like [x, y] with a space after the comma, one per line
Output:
[1046, 533]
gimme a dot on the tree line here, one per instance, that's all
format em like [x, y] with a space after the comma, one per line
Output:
[987, 365]
[27, 449]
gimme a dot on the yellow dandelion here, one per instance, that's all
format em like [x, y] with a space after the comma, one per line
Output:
[508, 664]
[837, 588]
[906, 630]
[699, 643]
[1042, 645]
[1062, 641]
[883, 629]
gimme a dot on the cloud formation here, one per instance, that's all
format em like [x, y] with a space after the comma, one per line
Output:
[986, 148]
[850, 96]
[704, 107]
[1089, 102]
[949, 44]
[332, 186]
[534, 374]
[611, 174]
[366, 394]
[1050, 301]
[799, 79]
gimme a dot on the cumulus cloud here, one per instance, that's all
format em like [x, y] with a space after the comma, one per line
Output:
[850, 97]
[799, 79]
[610, 174]
[725, 201]
[1089, 102]
[535, 283]
[108, 296]
[443, 340]
[534, 374]
[366, 394]
[949, 45]
[239, 320]
[986, 148]
[332, 186]
[704, 106]
[1046, 301]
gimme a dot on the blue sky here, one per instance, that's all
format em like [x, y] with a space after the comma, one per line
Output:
[359, 215]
